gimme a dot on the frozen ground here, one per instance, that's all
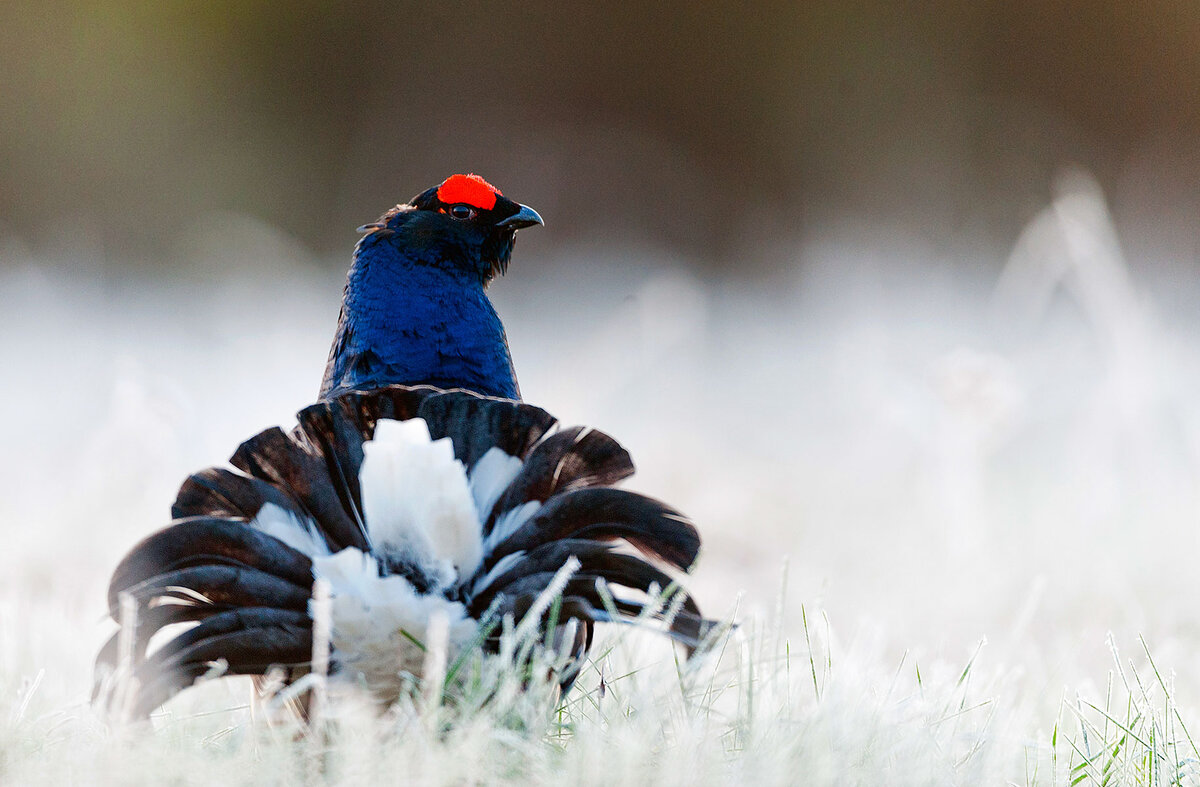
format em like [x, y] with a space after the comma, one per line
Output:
[935, 469]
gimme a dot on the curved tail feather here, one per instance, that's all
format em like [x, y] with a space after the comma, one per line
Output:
[239, 560]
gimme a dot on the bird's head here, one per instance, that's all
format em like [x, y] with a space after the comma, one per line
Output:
[463, 222]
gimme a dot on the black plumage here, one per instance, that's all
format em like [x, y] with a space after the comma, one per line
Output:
[249, 592]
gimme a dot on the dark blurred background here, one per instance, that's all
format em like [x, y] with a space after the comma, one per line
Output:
[713, 129]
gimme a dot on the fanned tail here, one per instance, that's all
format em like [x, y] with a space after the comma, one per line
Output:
[237, 563]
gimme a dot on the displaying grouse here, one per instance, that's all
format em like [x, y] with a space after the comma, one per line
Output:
[418, 489]
[415, 310]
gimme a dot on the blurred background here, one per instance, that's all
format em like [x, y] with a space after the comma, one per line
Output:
[708, 129]
[903, 291]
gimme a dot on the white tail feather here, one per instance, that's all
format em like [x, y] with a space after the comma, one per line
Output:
[379, 624]
[294, 531]
[509, 522]
[490, 476]
[417, 501]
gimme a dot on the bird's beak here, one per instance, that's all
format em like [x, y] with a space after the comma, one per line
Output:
[525, 217]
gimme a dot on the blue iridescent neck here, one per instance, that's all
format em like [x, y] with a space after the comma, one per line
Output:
[409, 318]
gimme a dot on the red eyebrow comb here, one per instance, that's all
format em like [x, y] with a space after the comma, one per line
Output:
[470, 189]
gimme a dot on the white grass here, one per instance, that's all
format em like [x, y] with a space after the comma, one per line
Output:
[985, 487]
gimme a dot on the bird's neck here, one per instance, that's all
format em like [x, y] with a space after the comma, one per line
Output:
[405, 322]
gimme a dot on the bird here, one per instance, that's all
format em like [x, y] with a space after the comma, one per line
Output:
[419, 491]
[415, 307]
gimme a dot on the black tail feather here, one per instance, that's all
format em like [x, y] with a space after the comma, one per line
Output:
[204, 540]
[250, 641]
[589, 589]
[333, 430]
[273, 456]
[603, 513]
[475, 424]
[574, 458]
[149, 621]
[223, 585]
[596, 560]
[688, 628]
[398, 403]
[222, 492]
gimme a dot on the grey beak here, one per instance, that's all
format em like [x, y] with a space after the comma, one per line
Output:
[525, 217]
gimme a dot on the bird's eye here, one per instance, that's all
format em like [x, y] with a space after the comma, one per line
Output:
[462, 212]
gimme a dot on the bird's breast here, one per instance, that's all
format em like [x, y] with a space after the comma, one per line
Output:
[428, 326]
